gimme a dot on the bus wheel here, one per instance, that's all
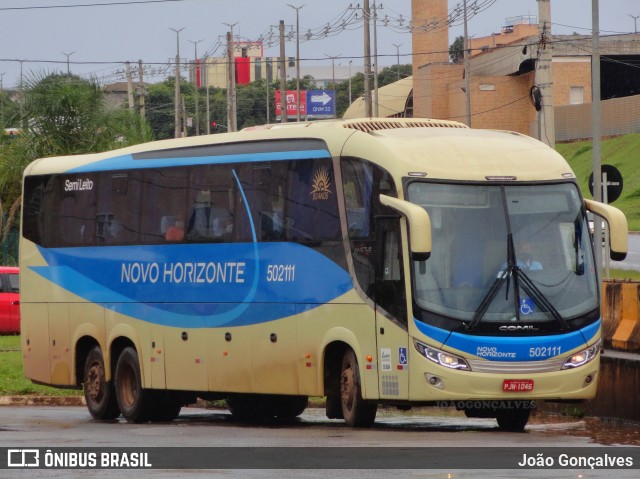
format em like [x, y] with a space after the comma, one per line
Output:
[165, 408]
[356, 411]
[99, 393]
[135, 402]
[248, 407]
[288, 407]
[513, 419]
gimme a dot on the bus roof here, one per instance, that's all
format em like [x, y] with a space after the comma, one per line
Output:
[435, 149]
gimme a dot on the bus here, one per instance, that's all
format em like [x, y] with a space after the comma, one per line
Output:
[397, 262]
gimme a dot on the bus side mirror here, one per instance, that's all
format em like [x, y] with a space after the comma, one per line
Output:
[419, 226]
[618, 229]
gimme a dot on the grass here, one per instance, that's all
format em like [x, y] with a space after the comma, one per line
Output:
[621, 152]
[12, 380]
[623, 274]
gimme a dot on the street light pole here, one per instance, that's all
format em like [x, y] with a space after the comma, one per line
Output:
[398, 57]
[635, 22]
[333, 69]
[178, 129]
[297, 9]
[68, 68]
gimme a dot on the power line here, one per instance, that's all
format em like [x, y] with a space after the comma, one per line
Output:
[111, 4]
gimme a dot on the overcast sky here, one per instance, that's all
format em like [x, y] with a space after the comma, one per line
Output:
[98, 39]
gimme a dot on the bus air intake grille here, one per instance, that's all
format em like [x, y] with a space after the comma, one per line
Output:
[520, 367]
[384, 124]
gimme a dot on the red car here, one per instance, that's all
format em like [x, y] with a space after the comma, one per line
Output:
[9, 300]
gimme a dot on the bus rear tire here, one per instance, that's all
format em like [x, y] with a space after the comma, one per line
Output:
[136, 403]
[356, 411]
[99, 394]
[166, 407]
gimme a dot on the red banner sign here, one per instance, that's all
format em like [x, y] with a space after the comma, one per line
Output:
[292, 104]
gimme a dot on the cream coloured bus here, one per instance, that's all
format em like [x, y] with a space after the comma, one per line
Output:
[396, 262]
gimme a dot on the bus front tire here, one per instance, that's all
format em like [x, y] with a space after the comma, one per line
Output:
[99, 393]
[356, 411]
[513, 420]
[136, 403]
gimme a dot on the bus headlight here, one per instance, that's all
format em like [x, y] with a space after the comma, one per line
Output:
[447, 360]
[583, 357]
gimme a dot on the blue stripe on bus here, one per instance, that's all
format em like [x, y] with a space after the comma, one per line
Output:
[127, 162]
[512, 348]
[198, 285]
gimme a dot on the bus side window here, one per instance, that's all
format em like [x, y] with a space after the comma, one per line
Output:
[363, 183]
[389, 290]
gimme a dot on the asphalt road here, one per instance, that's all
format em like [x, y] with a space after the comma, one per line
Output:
[72, 427]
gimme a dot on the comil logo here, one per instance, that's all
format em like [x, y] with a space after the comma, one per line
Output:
[23, 458]
[321, 185]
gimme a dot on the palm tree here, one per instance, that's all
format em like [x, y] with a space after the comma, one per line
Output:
[62, 115]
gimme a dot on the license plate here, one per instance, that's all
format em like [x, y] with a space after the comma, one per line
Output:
[517, 385]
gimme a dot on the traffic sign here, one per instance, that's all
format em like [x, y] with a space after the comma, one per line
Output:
[321, 102]
[614, 182]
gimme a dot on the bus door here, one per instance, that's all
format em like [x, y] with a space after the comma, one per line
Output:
[391, 310]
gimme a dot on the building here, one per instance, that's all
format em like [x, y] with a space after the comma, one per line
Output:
[502, 71]
[251, 65]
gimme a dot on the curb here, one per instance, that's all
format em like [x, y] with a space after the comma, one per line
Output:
[42, 401]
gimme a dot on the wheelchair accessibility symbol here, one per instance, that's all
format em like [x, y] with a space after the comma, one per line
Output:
[527, 306]
[402, 356]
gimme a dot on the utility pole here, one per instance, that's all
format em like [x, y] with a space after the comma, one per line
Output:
[178, 129]
[141, 90]
[543, 77]
[184, 117]
[367, 61]
[596, 128]
[467, 73]
[196, 81]
[21, 95]
[297, 9]
[283, 77]
[375, 59]
[129, 86]
[68, 67]
[206, 84]
[398, 57]
[350, 61]
[2, 101]
[635, 22]
[232, 120]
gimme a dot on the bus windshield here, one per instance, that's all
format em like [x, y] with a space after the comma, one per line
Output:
[505, 253]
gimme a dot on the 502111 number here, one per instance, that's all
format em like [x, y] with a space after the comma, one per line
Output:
[281, 273]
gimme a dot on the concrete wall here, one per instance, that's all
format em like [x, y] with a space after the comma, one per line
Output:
[621, 315]
[618, 117]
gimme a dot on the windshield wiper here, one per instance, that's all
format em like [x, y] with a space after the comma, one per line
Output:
[539, 298]
[496, 286]
[528, 286]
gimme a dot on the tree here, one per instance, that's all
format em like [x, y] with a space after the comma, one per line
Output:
[63, 115]
[9, 111]
[456, 50]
